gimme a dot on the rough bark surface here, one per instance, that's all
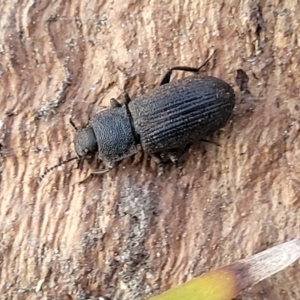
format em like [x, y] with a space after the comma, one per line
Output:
[130, 233]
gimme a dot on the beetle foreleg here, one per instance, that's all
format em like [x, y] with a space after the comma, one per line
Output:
[99, 172]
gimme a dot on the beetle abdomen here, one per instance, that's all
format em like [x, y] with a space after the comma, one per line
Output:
[181, 112]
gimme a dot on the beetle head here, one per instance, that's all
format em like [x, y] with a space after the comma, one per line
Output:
[85, 142]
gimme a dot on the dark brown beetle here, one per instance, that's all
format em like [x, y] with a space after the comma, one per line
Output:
[164, 122]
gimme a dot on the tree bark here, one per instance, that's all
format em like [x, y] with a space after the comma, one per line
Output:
[130, 234]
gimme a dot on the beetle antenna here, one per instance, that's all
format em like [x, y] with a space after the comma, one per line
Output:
[56, 166]
[207, 60]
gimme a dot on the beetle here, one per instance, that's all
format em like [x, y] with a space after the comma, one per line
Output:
[164, 122]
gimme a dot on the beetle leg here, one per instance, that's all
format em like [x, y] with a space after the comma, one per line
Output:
[99, 172]
[73, 124]
[107, 169]
[167, 77]
[94, 172]
[157, 157]
[173, 156]
[127, 99]
[160, 163]
[79, 164]
[176, 154]
[114, 103]
[85, 179]
[210, 142]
